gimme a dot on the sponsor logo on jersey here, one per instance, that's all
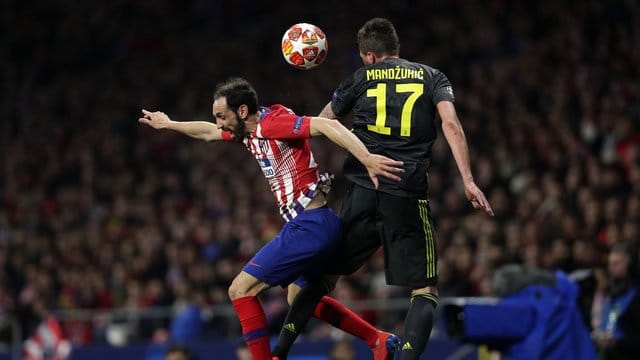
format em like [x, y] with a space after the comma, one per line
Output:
[267, 168]
[449, 89]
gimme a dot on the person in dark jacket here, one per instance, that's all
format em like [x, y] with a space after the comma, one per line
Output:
[618, 336]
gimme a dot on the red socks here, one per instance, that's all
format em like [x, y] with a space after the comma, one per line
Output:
[254, 323]
[254, 326]
[338, 315]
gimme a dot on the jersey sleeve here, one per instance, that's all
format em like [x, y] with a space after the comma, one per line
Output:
[284, 126]
[345, 96]
[442, 89]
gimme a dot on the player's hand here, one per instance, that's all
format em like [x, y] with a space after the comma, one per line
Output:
[155, 119]
[477, 198]
[378, 165]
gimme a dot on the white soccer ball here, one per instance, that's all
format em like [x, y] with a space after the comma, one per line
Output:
[304, 46]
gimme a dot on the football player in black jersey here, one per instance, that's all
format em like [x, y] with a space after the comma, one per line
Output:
[395, 103]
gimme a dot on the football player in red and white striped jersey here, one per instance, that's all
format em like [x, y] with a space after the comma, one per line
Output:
[279, 141]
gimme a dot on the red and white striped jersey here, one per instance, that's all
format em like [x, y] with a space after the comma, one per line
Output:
[47, 342]
[281, 146]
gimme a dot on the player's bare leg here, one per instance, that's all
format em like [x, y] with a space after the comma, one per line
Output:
[292, 291]
[419, 321]
[243, 293]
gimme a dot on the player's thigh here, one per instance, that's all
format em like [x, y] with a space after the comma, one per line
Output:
[303, 247]
[360, 237]
[411, 257]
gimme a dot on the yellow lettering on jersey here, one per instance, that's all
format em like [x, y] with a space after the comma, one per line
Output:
[397, 73]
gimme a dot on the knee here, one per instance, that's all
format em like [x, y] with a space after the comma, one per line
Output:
[237, 289]
[246, 285]
[428, 290]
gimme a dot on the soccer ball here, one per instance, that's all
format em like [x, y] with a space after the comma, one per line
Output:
[304, 46]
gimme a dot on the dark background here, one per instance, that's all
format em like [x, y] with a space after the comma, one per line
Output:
[97, 211]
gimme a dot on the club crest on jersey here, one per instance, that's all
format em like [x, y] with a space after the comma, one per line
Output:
[264, 146]
[297, 125]
[266, 167]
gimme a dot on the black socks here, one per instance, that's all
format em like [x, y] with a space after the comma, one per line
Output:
[298, 316]
[417, 325]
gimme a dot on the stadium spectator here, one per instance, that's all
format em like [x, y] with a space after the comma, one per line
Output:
[92, 209]
[179, 352]
[618, 332]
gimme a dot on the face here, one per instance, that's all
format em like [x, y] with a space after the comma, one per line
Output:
[618, 263]
[176, 355]
[227, 119]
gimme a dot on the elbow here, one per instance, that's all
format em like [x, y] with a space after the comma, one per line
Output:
[451, 127]
[453, 133]
[336, 128]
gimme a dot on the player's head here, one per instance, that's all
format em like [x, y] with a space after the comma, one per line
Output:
[179, 352]
[233, 102]
[621, 262]
[377, 38]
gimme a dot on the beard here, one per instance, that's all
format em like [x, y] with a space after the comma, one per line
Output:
[238, 132]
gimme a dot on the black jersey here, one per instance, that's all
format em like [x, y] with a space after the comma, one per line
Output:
[395, 106]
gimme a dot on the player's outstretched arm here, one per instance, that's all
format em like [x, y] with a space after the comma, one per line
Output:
[202, 130]
[454, 134]
[327, 112]
[377, 165]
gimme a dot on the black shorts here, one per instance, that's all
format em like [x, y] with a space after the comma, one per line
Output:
[402, 225]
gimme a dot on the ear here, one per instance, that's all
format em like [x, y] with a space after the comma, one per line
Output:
[373, 58]
[243, 111]
[368, 56]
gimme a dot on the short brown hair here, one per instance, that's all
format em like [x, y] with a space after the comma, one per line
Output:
[378, 36]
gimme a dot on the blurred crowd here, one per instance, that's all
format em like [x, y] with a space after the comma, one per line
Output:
[100, 212]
